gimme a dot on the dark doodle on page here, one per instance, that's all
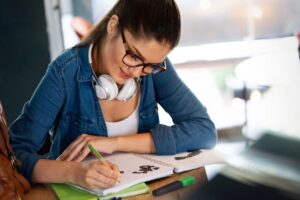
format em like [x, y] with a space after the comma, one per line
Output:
[191, 154]
[143, 169]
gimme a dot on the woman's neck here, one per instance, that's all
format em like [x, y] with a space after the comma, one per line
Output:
[98, 61]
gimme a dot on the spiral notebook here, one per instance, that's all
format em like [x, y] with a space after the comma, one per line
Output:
[139, 168]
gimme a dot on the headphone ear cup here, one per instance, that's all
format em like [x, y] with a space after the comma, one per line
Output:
[128, 90]
[100, 91]
[109, 87]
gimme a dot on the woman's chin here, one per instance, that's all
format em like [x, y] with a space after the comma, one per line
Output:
[120, 77]
[119, 80]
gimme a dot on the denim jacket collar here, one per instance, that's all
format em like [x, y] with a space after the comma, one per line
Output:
[85, 71]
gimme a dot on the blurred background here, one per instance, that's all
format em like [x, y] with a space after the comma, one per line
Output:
[239, 57]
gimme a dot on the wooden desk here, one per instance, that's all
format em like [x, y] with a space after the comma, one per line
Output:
[44, 192]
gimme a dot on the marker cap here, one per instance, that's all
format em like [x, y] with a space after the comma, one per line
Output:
[187, 180]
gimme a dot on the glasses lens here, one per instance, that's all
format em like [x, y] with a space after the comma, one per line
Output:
[148, 69]
[132, 60]
[152, 69]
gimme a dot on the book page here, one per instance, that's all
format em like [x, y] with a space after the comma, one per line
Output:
[188, 160]
[134, 170]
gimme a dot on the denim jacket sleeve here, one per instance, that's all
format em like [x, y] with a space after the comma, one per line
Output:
[192, 127]
[29, 131]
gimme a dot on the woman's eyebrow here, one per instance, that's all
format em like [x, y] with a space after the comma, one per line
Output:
[138, 52]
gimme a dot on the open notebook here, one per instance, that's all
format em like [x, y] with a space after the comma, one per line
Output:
[139, 168]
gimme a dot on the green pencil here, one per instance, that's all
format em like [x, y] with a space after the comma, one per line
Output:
[100, 157]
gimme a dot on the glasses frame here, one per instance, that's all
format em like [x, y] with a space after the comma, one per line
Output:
[156, 68]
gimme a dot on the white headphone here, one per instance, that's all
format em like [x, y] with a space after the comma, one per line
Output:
[107, 89]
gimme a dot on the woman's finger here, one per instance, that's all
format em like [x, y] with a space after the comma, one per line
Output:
[116, 170]
[70, 148]
[103, 174]
[97, 183]
[74, 148]
[105, 170]
[82, 154]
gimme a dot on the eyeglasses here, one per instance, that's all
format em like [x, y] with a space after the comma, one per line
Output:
[130, 59]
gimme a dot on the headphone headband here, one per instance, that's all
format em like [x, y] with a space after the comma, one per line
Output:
[107, 89]
[90, 54]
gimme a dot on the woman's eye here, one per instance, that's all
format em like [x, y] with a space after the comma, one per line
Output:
[135, 58]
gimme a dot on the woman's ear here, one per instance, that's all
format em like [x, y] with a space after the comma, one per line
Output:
[113, 26]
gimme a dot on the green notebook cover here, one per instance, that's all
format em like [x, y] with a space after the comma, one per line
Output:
[68, 192]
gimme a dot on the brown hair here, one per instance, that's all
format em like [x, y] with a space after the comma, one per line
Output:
[157, 19]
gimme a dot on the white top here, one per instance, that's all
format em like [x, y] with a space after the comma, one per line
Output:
[126, 126]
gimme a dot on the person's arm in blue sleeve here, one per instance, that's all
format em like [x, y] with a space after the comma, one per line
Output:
[29, 131]
[192, 129]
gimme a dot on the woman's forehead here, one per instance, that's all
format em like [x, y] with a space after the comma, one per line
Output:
[150, 49]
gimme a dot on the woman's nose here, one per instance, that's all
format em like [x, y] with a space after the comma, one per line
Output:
[136, 71]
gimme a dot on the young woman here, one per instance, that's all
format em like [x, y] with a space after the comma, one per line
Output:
[105, 92]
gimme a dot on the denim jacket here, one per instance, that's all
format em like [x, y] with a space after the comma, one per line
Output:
[65, 103]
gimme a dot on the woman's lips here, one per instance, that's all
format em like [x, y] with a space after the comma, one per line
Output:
[124, 75]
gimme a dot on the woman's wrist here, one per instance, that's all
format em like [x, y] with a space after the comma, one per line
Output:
[55, 171]
[138, 143]
[71, 170]
[117, 143]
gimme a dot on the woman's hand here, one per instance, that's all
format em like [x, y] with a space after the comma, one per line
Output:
[94, 174]
[78, 149]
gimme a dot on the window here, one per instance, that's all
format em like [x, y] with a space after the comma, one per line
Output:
[216, 36]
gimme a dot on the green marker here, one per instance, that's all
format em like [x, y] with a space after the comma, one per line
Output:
[184, 182]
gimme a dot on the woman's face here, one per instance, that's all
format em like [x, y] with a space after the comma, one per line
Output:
[147, 50]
